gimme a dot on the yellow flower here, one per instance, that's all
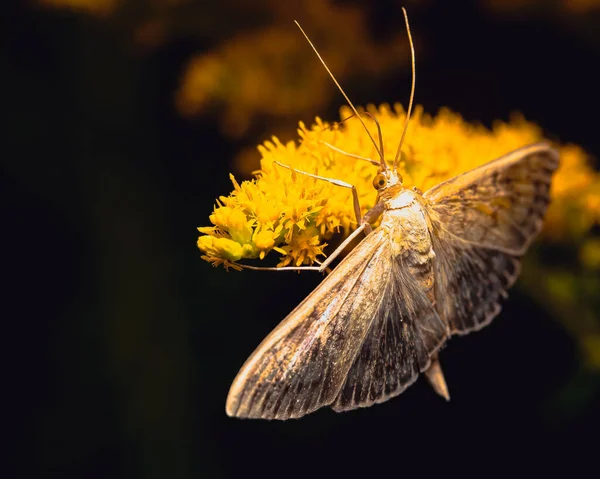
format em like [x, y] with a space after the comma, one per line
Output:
[234, 222]
[265, 240]
[221, 250]
[283, 210]
[304, 248]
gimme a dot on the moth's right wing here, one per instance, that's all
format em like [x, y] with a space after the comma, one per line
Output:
[482, 223]
[500, 205]
[355, 340]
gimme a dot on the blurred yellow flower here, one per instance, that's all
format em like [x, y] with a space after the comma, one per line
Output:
[581, 6]
[250, 74]
[590, 253]
[575, 7]
[294, 214]
[591, 350]
[577, 191]
[95, 7]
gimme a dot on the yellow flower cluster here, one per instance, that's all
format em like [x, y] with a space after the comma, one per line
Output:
[295, 214]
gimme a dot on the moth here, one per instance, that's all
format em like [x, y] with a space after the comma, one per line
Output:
[438, 265]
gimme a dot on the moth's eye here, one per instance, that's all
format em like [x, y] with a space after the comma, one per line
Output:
[379, 181]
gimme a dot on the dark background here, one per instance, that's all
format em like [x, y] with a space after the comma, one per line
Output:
[121, 343]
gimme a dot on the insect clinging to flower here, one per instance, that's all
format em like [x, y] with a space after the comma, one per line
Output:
[438, 264]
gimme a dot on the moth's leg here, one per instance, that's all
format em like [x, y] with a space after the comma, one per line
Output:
[327, 270]
[324, 265]
[351, 155]
[435, 376]
[284, 268]
[341, 183]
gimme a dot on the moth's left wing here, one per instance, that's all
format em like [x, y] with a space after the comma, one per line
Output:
[482, 223]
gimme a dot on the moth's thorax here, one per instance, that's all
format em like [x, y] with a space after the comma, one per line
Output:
[398, 197]
[406, 222]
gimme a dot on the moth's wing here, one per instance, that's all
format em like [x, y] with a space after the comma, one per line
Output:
[482, 223]
[501, 204]
[404, 334]
[303, 364]
[470, 283]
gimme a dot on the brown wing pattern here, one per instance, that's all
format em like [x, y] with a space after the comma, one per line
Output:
[499, 205]
[470, 284]
[302, 364]
[482, 223]
[405, 333]
[359, 319]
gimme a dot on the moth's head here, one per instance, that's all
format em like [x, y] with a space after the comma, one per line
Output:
[386, 178]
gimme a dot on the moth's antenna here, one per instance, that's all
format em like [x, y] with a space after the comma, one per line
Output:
[383, 164]
[378, 132]
[372, 117]
[412, 90]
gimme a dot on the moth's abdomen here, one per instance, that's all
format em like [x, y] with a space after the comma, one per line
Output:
[421, 267]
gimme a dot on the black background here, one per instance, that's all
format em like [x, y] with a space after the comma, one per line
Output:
[121, 343]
